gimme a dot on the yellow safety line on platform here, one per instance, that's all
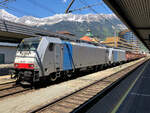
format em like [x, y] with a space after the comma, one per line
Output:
[125, 95]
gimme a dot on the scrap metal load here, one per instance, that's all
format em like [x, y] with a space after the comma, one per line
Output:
[48, 58]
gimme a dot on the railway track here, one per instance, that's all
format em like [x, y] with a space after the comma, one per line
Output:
[7, 85]
[76, 100]
[2, 84]
[10, 88]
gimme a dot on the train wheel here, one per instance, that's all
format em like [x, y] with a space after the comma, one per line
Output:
[53, 77]
[96, 68]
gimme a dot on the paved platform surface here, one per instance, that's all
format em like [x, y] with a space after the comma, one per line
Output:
[137, 98]
[113, 100]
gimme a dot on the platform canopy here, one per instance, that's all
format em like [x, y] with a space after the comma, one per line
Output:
[135, 14]
[14, 32]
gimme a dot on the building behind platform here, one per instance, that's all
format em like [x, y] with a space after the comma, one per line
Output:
[7, 53]
[125, 40]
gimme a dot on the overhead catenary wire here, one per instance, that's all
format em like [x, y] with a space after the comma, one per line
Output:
[85, 4]
[5, 1]
[6, 7]
[73, 10]
[108, 12]
[17, 10]
[98, 15]
[67, 10]
[34, 2]
[23, 12]
[70, 11]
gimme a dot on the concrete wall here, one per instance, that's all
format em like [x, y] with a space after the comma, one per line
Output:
[9, 53]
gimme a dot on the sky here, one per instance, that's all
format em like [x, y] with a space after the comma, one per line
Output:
[45, 8]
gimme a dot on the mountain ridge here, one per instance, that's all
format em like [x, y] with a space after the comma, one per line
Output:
[56, 18]
[77, 24]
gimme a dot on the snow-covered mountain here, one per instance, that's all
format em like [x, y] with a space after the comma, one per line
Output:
[7, 16]
[75, 23]
[33, 21]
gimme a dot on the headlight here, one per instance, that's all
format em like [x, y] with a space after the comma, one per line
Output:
[31, 65]
[16, 65]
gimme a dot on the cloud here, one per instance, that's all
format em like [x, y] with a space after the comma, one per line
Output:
[64, 1]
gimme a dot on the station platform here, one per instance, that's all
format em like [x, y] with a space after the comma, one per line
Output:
[131, 95]
[137, 97]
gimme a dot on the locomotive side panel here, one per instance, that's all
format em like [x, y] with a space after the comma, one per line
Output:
[84, 56]
[51, 55]
[58, 57]
[79, 53]
[48, 62]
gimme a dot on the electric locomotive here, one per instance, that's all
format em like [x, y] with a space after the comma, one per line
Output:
[41, 58]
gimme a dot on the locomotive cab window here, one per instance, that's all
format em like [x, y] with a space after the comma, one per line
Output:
[51, 46]
[30, 44]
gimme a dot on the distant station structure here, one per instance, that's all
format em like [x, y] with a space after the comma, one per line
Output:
[117, 42]
[131, 39]
[125, 40]
[90, 37]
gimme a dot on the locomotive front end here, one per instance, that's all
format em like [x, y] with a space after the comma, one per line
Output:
[26, 65]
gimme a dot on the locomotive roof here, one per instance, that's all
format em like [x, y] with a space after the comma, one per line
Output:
[53, 39]
[32, 39]
[59, 40]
